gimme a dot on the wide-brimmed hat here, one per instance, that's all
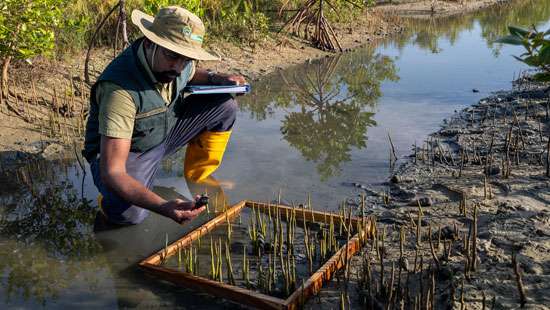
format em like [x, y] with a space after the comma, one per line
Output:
[176, 29]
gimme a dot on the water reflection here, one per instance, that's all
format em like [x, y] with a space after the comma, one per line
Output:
[57, 219]
[48, 210]
[30, 275]
[426, 33]
[329, 106]
[46, 236]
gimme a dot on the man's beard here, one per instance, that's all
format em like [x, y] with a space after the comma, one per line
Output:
[165, 76]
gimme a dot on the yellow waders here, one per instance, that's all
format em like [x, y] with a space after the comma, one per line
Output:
[204, 154]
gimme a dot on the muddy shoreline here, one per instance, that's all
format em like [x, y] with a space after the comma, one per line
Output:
[480, 186]
[497, 159]
[428, 9]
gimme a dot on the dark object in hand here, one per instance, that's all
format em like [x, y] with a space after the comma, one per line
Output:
[201, 201]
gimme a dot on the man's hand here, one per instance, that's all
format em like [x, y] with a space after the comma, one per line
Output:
[233, 79]
[227, 79]
[114, 153]
[180, 211]
[203, 77]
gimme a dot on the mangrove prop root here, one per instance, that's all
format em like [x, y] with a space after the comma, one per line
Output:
[92, 41]
[312, 13]
[519, 281]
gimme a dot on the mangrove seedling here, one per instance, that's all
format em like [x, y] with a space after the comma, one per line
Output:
[229, 264]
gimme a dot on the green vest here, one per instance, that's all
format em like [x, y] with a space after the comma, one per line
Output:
[154, 118]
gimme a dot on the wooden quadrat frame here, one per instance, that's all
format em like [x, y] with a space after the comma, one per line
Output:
[245, 296]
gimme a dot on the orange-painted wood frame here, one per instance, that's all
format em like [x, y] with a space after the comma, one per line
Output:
[244, 296]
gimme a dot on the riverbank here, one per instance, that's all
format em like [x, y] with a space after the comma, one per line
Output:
[480, 188]
[494, 156]
[428, 9]
[464, 222]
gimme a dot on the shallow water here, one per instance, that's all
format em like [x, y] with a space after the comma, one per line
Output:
[236, 239]
[315, 128]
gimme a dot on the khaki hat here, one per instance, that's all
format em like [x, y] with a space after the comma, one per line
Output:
[176, 29]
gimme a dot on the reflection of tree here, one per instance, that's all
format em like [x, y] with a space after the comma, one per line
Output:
[55, 217]
[31, 273]
[331, 95]
[268, 95]
[47, 238]
[327, 137]
[425, 39]
[493, 23]
[426, 33]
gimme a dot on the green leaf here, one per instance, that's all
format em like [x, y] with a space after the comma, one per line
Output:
[532, 61]
[24, 53]
[542, 77]
[518, 58]
[524, 54]
[510, 39]
[544, 55]
[518, 31]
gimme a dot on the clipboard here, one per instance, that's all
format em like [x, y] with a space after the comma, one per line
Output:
[217, 89]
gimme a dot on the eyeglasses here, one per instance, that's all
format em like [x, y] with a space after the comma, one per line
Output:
[173, 56]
